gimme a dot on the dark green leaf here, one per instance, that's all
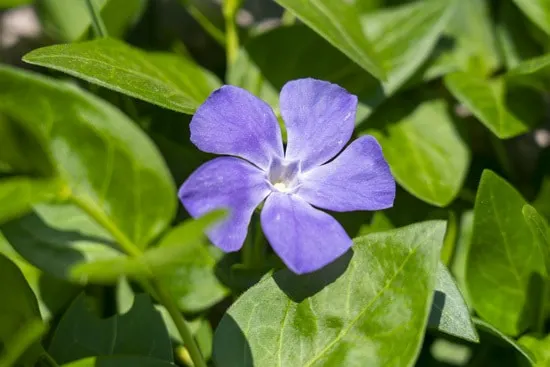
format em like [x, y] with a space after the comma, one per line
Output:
[140, 332]
[426, 154]
[167, 80]
[538, 11]
[104, 159]
[338, 23]
[449, 312]
[504, 262]
[119, 361]
[506, 112]
[357, 311]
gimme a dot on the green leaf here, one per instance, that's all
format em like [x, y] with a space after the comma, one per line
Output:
[541, 232]
[506, 112]
[450, 314]
[103, 158]
[489, 329]
[425, 152]
[357, 311]
[140, 332]
[404, 36]
[166, 80]
[119, 361]
[534, 72]
[18, 311]
[504, 262]
[538, 11]
[56, 237]
[68, 20]
[458, 267]
[24, 345]
[339, 24]
[539, 349]
[4, 4]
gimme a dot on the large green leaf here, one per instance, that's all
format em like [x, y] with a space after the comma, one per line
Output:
[119, 361]
[104, 159]
[68, 20]
[18, 309]
[139, 332]
[449, 313]
[538, 11]
[357, 311]
[506, 112]
[426, 153]
[339, 24]
[504, 262]
[167, 80]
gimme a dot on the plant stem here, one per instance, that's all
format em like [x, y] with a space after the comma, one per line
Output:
[49, 360]
[97, 23]
[181, 325]
[230, 8]
[153, 287]
[206, 24]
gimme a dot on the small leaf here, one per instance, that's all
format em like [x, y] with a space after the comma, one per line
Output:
[539, 349]
[339, 24]
[538, 11]
[140, 332]
[504, 261]
[425, 152]
[357, 311]
[449, 311]
[119, 361]
[506, 112]
[166, 80]
[534, 72]
[18, 311]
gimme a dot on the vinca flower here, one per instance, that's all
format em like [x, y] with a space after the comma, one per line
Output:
[293, 183]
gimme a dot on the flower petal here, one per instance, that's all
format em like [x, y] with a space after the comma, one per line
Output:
[358, 179]
[319, 118]
[305, 238]
[230, 183]
[234, 122]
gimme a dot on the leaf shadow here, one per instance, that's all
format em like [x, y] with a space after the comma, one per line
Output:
[436, 311]
[535, 303]
[230, 344]
[300, 287]
[525, 104]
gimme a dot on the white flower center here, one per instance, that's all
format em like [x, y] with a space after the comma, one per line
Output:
[283, 175]
[282, 187]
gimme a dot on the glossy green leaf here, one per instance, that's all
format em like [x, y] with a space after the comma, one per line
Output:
[119, 361]
[538, 11]
[538, 348]
[68, 20]
[541, 232]
[166, 80]
[140, 332]
[357, 311]
[534, 72]
[18, 310]
[404, 36]
[449, 313]
[339, 24]
[504, 262]
[426, 153]
[104, 159]
[506, 112]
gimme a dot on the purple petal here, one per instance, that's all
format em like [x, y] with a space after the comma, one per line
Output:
[358, 179]
[230, 183]
[234, 122]
[319, 118]
[306, 239]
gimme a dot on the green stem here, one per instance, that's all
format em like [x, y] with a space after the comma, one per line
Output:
[181, 325]
[205, 23]
[46, 357]
[97, 23]
[153, 287]
[230, 8]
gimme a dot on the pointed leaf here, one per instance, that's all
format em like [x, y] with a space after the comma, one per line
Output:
[538, 11]
[338, 23]
[166, 80]
[140, 332]
[357, 311]
[504, 261]
[426, 154]
[507, 113]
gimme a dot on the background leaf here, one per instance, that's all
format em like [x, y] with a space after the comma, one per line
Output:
[355, 311]
[119, 361]
[538, 11]
[163, 79]
[140, 332]
[504, 262]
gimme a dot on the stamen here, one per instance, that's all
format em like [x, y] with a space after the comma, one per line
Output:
[281, 186]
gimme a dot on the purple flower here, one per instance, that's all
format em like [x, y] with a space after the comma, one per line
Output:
[319, 118]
